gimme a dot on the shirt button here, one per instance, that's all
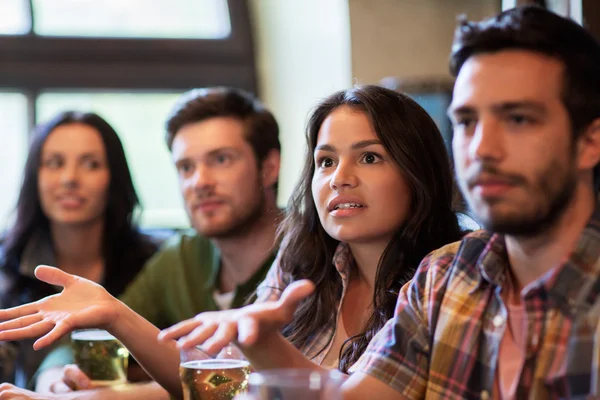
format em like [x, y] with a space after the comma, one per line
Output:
[498, 321]
[485, 395]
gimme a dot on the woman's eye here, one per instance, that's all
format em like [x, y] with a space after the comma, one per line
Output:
[325, 162]
[52, 163]
[93, 164]
[371, 158]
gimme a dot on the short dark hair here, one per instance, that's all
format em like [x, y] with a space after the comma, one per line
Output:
[536, 29]
[262, 131]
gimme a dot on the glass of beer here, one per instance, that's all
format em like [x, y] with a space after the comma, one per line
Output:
[295, 384]
[206, 378]
[100, 356]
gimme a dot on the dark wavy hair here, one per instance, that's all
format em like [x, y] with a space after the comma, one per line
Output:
[414, 142]
[535, 29]
[122, 244]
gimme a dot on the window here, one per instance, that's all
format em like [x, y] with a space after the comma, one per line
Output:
[190, 19]
[433, 94]
[13, 152]
[125, 60]
[217, 48]
[14, 17]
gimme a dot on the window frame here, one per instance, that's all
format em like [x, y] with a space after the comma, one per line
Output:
[33, 63]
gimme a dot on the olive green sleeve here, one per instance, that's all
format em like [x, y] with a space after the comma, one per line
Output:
[145, 294]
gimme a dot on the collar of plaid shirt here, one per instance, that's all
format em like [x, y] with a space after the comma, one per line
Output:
[445, 337]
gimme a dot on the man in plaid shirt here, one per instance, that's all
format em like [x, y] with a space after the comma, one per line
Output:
[510, 312]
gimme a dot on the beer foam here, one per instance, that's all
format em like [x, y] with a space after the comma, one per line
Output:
[92, 334]
[215, 364]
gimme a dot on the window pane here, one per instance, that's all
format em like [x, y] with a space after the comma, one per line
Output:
[139, 119]
[14, 17]
[13, 152]
[436, 105]
[197, 19]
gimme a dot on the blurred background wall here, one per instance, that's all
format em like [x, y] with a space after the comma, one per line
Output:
[407, 38]
[302, 55]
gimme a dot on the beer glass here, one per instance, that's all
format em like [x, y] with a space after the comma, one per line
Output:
[100, 356]
[207, 378]
[295, 384]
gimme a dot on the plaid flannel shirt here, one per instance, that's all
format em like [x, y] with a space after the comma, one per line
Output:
[444, 339]
[276, 281]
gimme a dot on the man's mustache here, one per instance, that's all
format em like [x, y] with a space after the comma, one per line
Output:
[482, 172]
[205, 192]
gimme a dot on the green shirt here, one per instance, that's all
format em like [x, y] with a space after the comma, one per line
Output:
[177, 283]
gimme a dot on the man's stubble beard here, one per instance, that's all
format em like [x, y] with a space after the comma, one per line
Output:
[240, 224]
[551, 201]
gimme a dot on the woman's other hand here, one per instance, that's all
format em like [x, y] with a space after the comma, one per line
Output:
[81, 304]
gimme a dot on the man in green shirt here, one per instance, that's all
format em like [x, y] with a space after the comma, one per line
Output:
[226, 149]
[182, 280]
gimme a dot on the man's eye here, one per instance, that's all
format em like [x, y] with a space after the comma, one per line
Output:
[464, 122]
[519, 119]
[222, 158]
[185, 167]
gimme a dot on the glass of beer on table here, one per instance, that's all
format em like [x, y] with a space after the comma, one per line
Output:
[100, 356]
[207, 378]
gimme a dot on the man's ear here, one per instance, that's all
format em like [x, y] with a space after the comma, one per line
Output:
[270, 168]
[588, 147]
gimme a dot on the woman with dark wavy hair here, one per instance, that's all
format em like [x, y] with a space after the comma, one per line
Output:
[407, 215]
[374, 198]
[76, 211]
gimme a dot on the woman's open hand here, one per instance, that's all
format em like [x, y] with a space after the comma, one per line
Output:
[245, 326]
[81, 304]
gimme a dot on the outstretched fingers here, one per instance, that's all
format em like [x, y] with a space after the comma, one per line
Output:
[180, 329]
[248, 331]
[223, 336]
[198, 336]
[31, 331]
[59, 330]
[21, 322]
[293, 295]
[54, 276]
[17, 312]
